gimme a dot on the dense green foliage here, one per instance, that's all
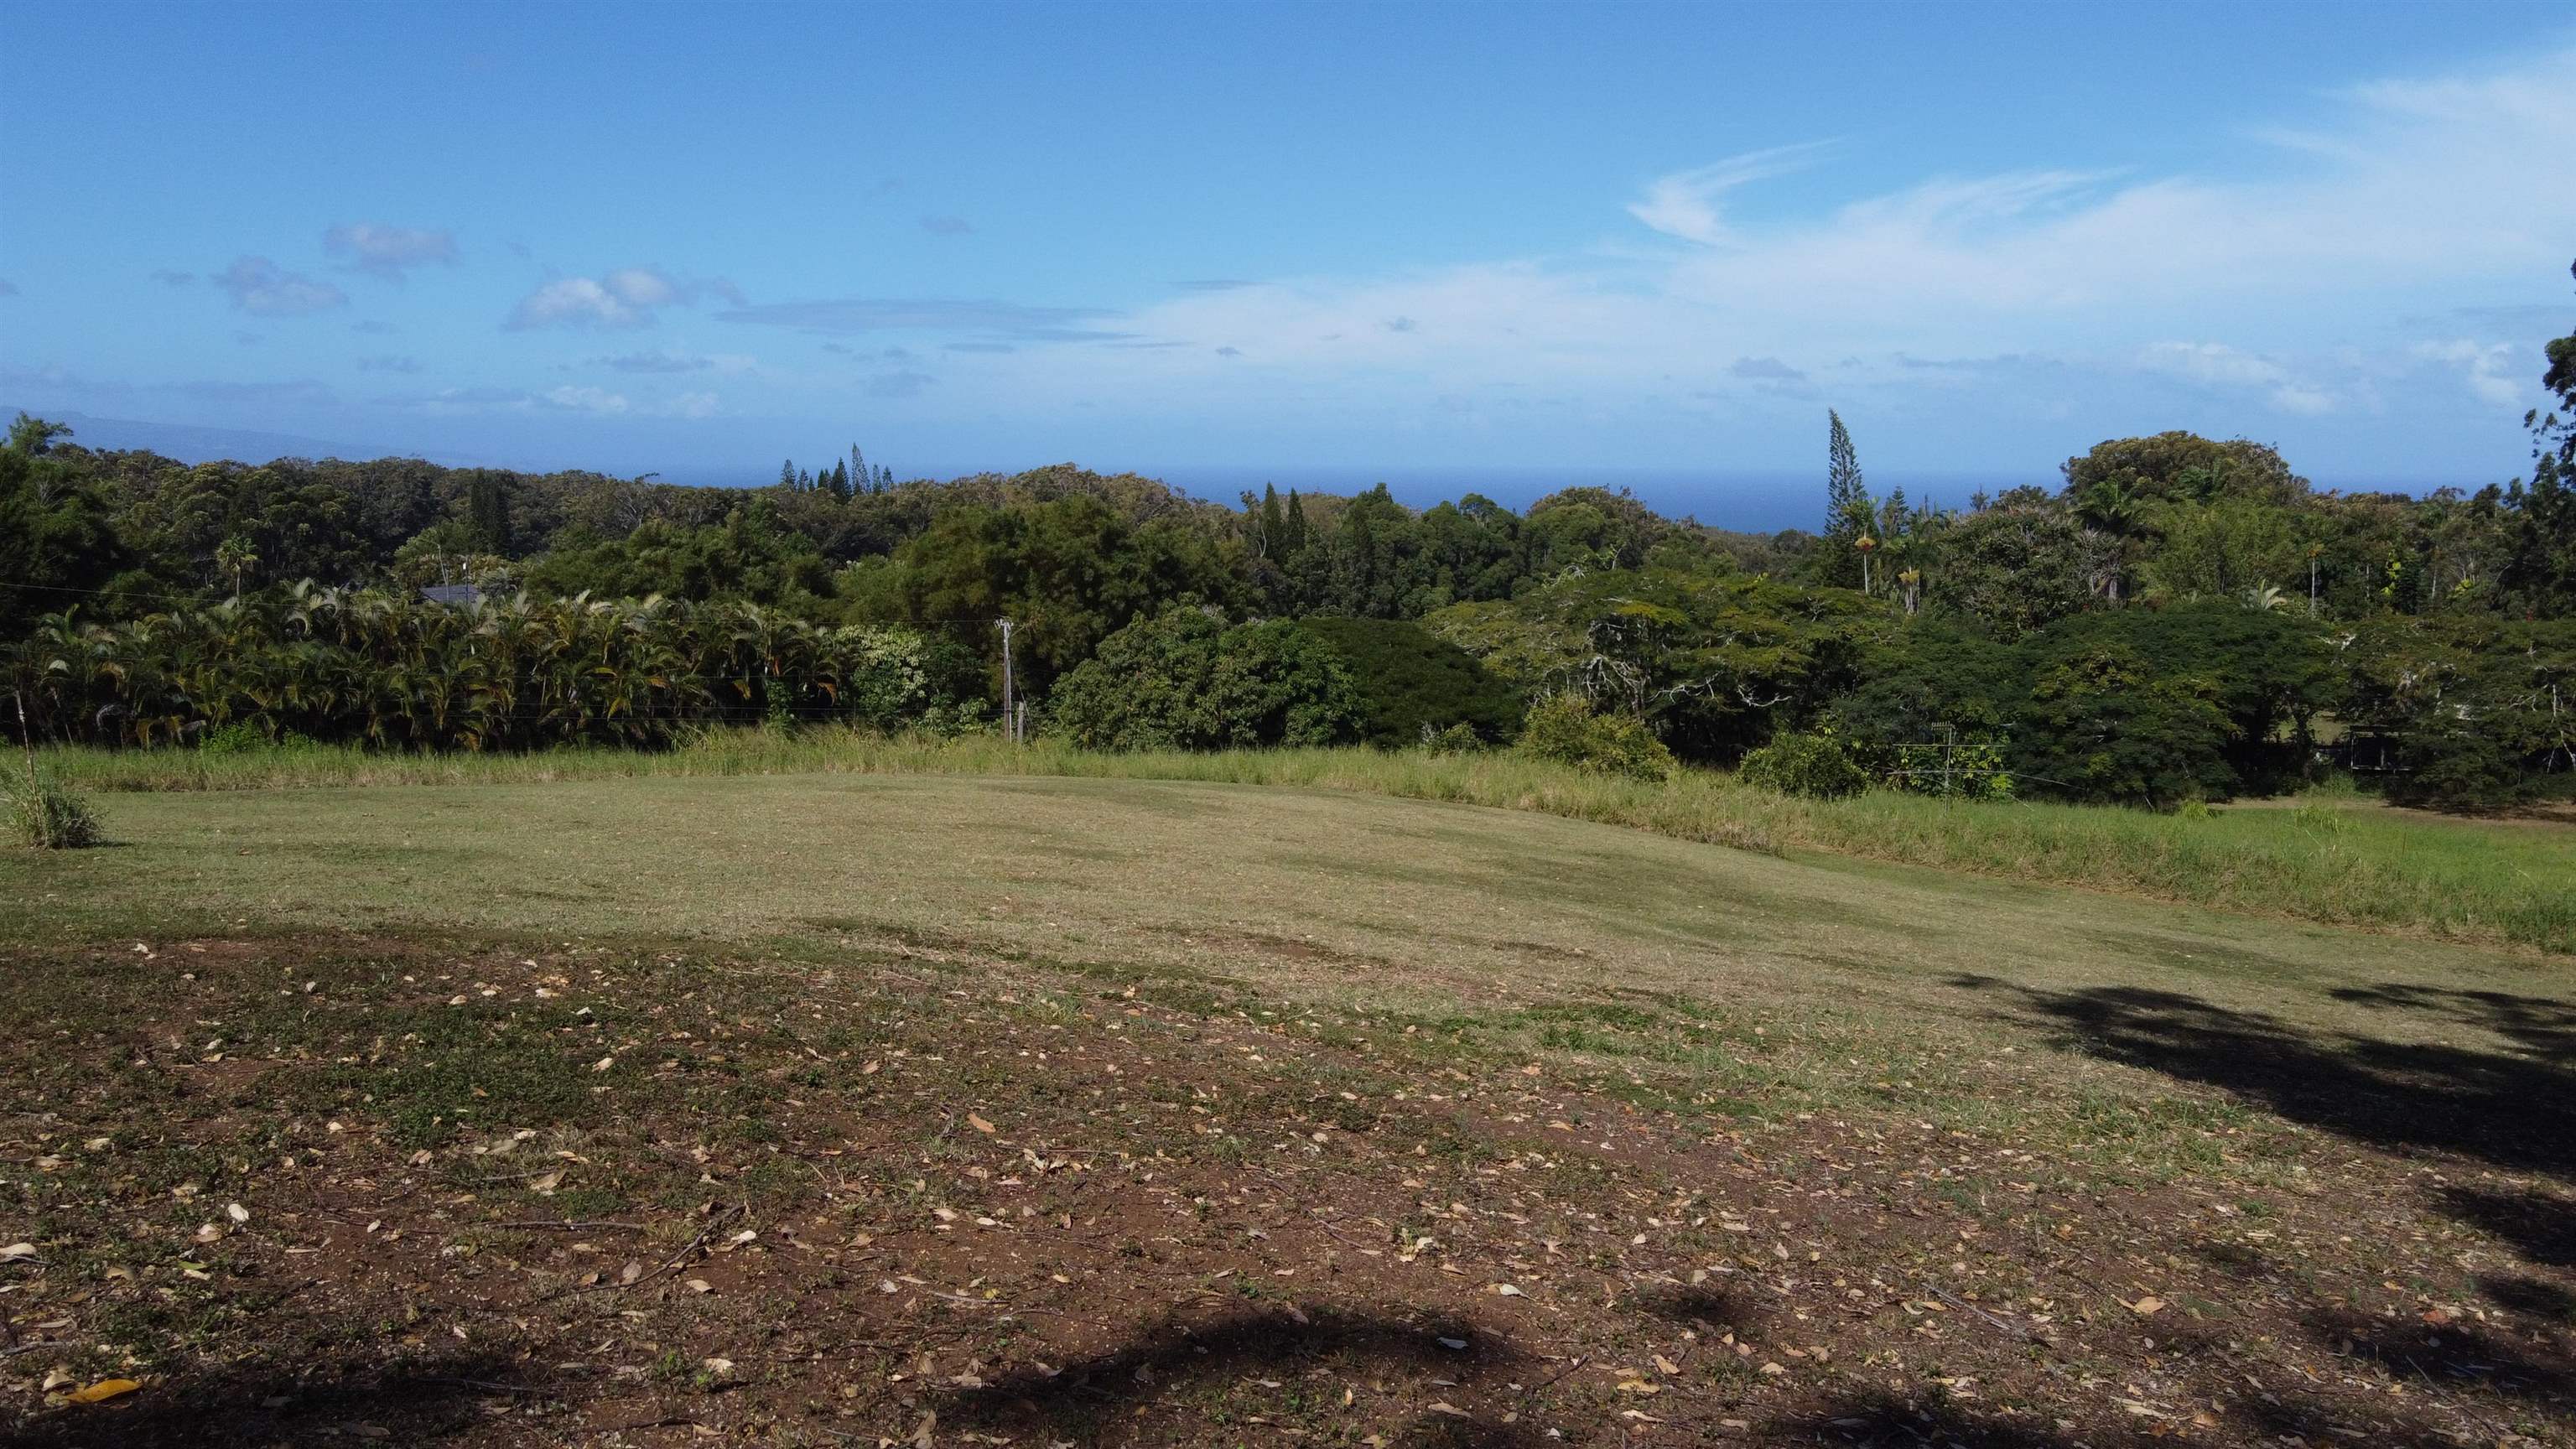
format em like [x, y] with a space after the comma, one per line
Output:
[1413, 686]
[496, 674]
[2174, 621]
[1183, 680]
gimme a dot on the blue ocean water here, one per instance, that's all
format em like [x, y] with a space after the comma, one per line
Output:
[1756, 502]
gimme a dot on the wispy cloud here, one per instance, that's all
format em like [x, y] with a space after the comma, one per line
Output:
[169, 278]
[852, 315]
[947, 226]
[899, 384]
[1765, 369]
[1685, 203]
[389, 363]
[300, 393]
[597, 402]
[584, 400]
[676, 362]
[8, 288]
[625, 298]
[263, 288]
[2215, 364]
[390, 251]
[2493, 371]
[2083, 277]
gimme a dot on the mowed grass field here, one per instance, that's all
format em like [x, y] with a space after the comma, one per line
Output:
[2338, 859]
[808, 1109]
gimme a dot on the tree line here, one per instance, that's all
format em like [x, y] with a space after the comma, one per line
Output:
[2175, 616]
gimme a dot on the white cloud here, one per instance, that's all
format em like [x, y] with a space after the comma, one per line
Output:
[585, 400]
[728, 364]
[1685, 203]
[590, 401]
[2212, 362]
[2489, 369]
[623, 298]
[261, 287]
[387, 251]
[2269, 258]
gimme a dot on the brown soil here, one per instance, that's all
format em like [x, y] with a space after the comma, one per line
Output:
[968, 1203]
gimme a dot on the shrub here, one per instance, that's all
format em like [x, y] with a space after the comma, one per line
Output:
[241, 737]
[1459, 739]
[1564, 730]
[50, 817]
[1816, 766]
[1412, 683]
[1184, 681]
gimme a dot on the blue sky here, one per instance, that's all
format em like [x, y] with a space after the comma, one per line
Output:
[1218, 241]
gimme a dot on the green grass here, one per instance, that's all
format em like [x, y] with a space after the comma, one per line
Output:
[1448, 913]
[2341, 861]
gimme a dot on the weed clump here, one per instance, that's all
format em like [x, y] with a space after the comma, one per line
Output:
[48, 816]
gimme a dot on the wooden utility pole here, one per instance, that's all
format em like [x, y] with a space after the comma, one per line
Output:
[1010, 714]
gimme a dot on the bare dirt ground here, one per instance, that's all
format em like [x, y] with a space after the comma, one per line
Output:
[323, 1190]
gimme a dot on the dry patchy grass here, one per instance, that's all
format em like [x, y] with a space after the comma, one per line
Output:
[832, 1110]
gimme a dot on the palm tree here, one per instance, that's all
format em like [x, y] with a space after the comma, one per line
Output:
[235, 556]
[2112, 509]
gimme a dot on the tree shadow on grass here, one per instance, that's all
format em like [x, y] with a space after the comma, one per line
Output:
[1707, 1307]
[418, 1402]
[1104, 1386]
[2541, 1225]
[2448, 1354]
[2535, 1022]
[2514, 1112]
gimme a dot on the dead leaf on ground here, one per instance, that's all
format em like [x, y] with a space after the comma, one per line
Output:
[103, 1390]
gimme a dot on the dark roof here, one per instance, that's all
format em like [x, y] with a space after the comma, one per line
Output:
[452, 594]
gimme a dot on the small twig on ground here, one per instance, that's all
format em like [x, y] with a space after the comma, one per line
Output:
[674, 1421]
[496, 1388]
[665, 1266]
[571, 1226]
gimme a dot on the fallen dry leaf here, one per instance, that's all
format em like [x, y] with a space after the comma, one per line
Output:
[103, 1390]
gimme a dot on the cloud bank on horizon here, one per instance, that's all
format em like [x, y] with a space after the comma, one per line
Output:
[2364, 275]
